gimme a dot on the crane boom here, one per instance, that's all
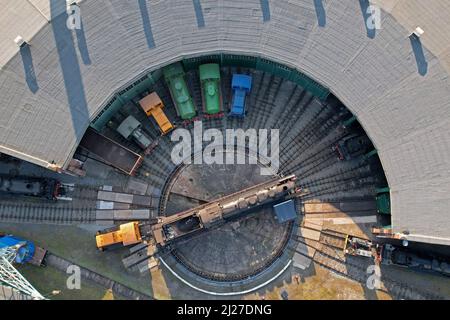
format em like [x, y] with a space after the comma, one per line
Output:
[11, 277]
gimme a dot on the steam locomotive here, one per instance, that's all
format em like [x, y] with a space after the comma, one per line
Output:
[43, 188]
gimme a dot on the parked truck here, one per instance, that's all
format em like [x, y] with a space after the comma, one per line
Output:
[211, 91]
[241, 85]
[125, 234]
[352, 146]
[175, 79]
[131, 129]
[153, 106]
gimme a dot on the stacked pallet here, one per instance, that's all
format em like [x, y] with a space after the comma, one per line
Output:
[115, 206]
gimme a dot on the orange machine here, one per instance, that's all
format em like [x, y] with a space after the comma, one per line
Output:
[126, 234]
[152, 106]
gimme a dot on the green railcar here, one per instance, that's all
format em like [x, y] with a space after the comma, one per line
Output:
[211, 92]
[175, 79]
[383, 199]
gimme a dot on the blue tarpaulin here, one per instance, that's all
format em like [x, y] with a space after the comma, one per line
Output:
[24, 253]
[285, 211]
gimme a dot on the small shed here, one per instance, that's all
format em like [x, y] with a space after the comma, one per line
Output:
[285, 211]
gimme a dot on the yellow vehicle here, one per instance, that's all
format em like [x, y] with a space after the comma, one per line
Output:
[152, 106]
[125, 234]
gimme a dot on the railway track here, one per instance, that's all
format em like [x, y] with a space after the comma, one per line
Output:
[166, 188]
[358, 272]
[288, 107]
[313, 156]
[354, 169]
[303, 136]
[78, 207]
[332, 239]
[263, 106]
[281, 105]
[328, 182]
[156, 167]
[291, 119]
[332, 258]
[150, 174]
[45, 213]
[343, 185]
[82, 192]
[81, 209]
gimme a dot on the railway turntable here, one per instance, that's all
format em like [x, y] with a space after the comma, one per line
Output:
[242, 249]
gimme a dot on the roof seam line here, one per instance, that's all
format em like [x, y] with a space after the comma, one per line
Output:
[38, 10]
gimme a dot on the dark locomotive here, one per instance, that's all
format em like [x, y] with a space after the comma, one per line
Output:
[43, 188]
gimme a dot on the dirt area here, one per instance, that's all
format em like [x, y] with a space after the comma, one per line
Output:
[159, 284]
[320, 284]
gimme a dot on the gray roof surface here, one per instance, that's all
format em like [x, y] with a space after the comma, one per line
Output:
[399, 90]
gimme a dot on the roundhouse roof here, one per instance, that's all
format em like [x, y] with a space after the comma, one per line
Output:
[398, 89]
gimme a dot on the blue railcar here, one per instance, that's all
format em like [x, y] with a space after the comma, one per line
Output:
[241, 85]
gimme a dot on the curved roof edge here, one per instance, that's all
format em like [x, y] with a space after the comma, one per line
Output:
[398, 89]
